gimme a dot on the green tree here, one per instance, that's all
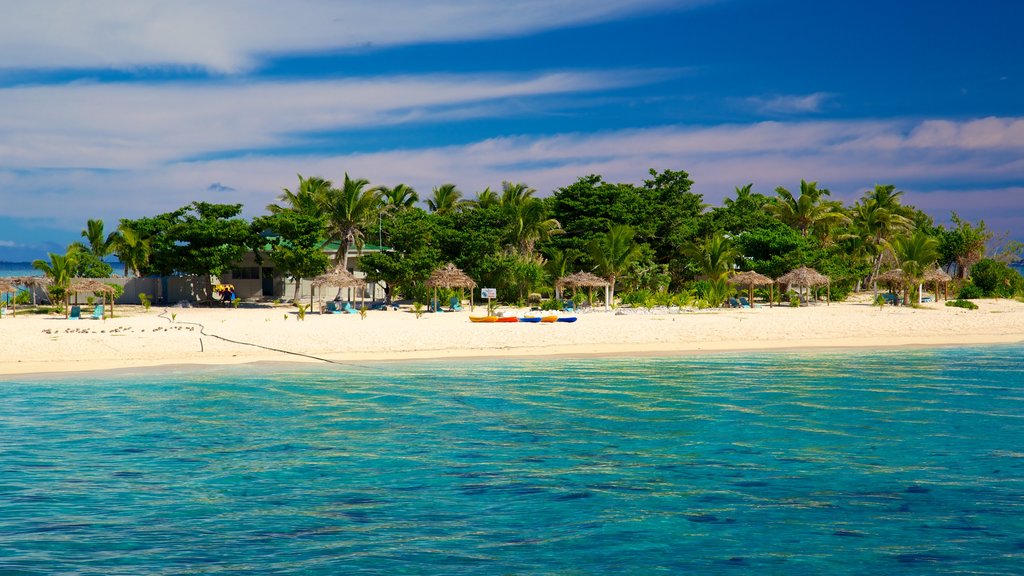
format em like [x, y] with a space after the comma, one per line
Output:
[486, 198]
[613, 252]
[131, 249]
[915, 254]
[59, 269]
[307, 199]
[398, 197]
[413, 238]
[964, 245]
[445, 200]
[296, 243]
[349, 210]
[877, 217]
[714, 256]
[807, 213]
[99, 244]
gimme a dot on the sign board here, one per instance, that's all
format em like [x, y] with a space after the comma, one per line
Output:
[488, 293]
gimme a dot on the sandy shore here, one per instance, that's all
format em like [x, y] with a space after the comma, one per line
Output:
[40, 344]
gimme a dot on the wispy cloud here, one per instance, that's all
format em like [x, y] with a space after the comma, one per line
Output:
[769, 154]
[788, 104]
[231, 36]
[130, 126]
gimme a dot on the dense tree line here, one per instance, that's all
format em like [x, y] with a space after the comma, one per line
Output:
[656, 242]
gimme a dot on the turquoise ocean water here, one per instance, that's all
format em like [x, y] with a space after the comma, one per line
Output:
[863, 462]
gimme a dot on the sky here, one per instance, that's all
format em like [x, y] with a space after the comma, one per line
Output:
[122, 109]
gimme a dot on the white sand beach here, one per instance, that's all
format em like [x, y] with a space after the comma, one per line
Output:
[135, 338]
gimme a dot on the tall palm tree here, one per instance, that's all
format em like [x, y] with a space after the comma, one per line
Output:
[530, 224]
[349, 210]
[915, 254]
[99, 245]
[59, 269]
[397, 197]
[515, 194]
[613, 252]
[808, 212]
[744, 195]
[446, 198]
[132, 249]
[307, 199]
[879, 216]
[485, 198]
[714, 255]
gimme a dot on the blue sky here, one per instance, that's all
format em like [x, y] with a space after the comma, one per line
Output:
[113, 109]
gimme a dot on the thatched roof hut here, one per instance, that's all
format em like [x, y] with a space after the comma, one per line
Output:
[30, 282]
[449, 276]
[804, 277]
[750, 279]
[894, 276]
[79, 285]
[583, 280]
[7, 286]
[338, 278]
[938, 276]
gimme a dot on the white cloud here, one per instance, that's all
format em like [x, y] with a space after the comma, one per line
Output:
[788, 104]
[718, 159]
[129, 126]
[233, 35]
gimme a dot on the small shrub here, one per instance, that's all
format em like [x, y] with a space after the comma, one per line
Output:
[551, 304]
[879, 301]
[970, 291]
[966, 304]
[417, 309]
[362, 312]
[302, 310]
[174, 316]
[144, 300]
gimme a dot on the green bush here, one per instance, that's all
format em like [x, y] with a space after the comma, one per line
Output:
[967, 304]
[996, 279]
[970, 291]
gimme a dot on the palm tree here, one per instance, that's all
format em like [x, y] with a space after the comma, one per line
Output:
[915, 254]
[530, 224]
[515, 194]
[400, 196]
[744, 195]
[613, 252]
[349, 210]
[99, 245]
[879, 216]
[307, 199]
[715, 256]
[808, 212]
[132, 249]
[446, 197]
[59, 270]
[486, 198]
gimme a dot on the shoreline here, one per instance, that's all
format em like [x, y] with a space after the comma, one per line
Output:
[43, 345]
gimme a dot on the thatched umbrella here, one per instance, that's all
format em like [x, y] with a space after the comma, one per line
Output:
[449, 276]
[751, 279]
[96, 287]
[938, 276]
[583, 280]
[337, 278]
[8, 286]
[32, 282]
[805, 277]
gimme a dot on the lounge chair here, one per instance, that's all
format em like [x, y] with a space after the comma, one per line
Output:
[435, 307]
[76, 313]
[734, 303]
[332, 308]
[97, 313]
[891, 299]
[568, 306]
[746, 303]
[454, 305]
[348, 309]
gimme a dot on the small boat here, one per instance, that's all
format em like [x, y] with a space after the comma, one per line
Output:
[566, 318]
[483, 318]
[531, 319]
[552, 318]
[508, 319]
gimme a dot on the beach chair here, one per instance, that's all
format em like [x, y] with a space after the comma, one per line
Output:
[435, 307]
[348, 309]
[97, 313]
[890, 299]
[568, 306]
[76, 313]
[454, 305]
[734, 303]
[746, 303]
[332, 308]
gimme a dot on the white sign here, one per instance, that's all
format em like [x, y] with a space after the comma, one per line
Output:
[488, 293]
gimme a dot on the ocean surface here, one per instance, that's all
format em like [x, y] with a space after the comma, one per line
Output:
[862, 462]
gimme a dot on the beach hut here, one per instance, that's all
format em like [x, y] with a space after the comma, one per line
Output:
[751, 279]
[938, 277]
[338, 278]
[6, 286]
[31, 282]
[583, 280]
[450, 276]
[804, 277]
[79, 285]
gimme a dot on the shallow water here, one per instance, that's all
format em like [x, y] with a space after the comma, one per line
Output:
[843, 463]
